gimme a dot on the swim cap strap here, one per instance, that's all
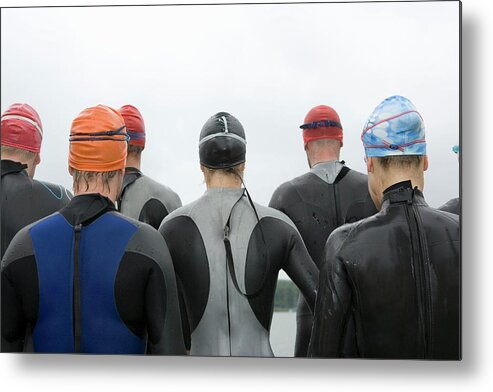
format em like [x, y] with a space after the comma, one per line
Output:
[221, 134]
[136, 135]
[321, 124]
[104, 135]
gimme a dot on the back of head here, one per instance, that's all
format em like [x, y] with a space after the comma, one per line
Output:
[395, 128]
[222, 142]
[322, 122]
[21, 128]
[98, 144]
[395, 145]
[134, 122]
[21, 135]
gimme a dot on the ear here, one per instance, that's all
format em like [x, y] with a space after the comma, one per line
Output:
[37, 160]
[70, 171]
[425, 163]
[369, 164]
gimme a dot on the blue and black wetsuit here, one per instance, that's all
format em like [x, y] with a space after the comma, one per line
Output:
[146, 200]
[227, 261]
[88, 279]
[397, 275]
[25, 200]
[318, 202]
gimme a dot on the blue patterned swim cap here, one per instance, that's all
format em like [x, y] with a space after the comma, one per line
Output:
[394, 128]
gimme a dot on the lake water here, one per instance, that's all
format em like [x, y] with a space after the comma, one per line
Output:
[283, 333]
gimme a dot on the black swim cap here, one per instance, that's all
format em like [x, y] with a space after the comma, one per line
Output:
[222, 142]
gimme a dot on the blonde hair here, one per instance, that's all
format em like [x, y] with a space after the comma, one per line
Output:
[89, 176]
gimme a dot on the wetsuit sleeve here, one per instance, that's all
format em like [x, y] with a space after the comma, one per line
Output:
[168, 339]
[332, 310]
[301, 269]
[13, 320]
[19, 293]
[162, 312]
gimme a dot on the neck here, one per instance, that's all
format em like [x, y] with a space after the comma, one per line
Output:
[325, 156]
[133, 161]
[219, 180]
[111, 193]
[416, 180]
[30, 165]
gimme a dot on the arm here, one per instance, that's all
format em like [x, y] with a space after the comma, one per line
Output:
[19, 281]
[162, 307]
[332, 308]
[300, 268]
[13, 320]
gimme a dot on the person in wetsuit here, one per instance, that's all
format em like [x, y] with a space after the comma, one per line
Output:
[396, 273]
[453, 205]
[228, 250]
[24, 199]
[319, 201]
[141, 197]
[88, 279]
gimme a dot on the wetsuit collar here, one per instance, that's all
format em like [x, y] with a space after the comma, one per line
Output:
[327, 171]
[402, 192]
[84, 209]
[10, 167]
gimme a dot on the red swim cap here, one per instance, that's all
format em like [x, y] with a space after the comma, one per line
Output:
[135, 125]
[322, 122]
[98, 141]
[21, 128]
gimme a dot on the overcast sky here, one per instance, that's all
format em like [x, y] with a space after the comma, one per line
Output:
[265, 64]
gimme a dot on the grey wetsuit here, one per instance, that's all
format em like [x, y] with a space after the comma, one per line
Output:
[229, 312]
[146, 200]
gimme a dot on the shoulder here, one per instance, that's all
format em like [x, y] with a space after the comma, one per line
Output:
[357, 177]
[349, 233]
[287, 192]
[452, 206]
[160, 191]
[145, 240]
[274, 214]
[184, 211]
[56, 191]
[21, 245]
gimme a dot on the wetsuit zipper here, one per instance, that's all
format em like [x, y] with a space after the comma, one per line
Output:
[336, 205]
[425, 257]
[421, 277]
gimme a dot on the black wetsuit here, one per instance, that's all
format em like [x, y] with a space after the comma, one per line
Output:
[452, 206]
[146, 200]
[398, 274]
[88, 279]
[318, 202]
[222, 321]
[25, 200]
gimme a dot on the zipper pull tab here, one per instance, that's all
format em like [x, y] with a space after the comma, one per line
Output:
[226, 232]
[78, 228]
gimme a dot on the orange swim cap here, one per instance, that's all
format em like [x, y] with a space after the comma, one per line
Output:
[98, 140]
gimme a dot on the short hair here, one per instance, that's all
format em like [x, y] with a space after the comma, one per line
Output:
[133, 149]
[23, 155]
[232, 171]
[322, 144]
[87, 176]
[400, 161]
